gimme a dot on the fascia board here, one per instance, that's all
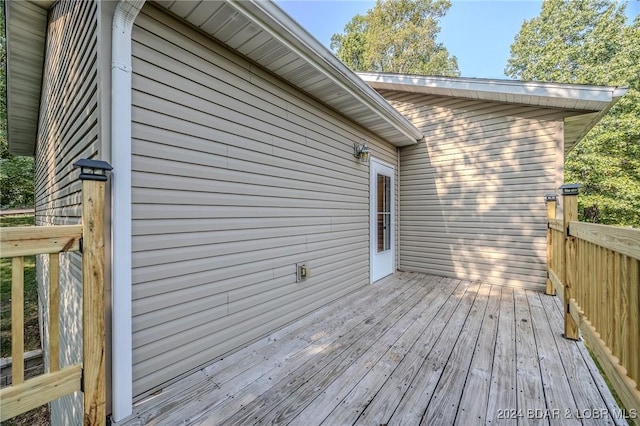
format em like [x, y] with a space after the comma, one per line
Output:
[482, 88]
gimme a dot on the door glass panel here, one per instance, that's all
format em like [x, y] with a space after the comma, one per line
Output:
[383, 221]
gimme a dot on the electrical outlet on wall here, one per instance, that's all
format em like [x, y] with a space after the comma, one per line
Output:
[302, 272]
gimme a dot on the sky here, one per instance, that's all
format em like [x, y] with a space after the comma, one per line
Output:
[478, 32]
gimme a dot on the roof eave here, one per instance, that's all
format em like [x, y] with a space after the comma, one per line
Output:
[581, 95]
[291, 35]
[26, 24]
[590, 103]
[569, 144]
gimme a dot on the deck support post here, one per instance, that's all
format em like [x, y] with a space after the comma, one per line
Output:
[93, 178]
[551, 201]
[570, 272]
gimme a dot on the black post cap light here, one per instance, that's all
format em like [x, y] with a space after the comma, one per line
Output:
[550, 197]
[570, 188]
[93, 169]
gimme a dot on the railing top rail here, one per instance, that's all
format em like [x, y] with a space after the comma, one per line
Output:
[26, 241]
[556, 224]
[622, 240]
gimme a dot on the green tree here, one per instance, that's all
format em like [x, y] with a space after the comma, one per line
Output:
[397, 36]
[590, 42]
[16, 172]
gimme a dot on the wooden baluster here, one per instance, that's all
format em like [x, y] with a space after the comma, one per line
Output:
[550, 200]
[633, 351]
[17, 320]
[54, 312]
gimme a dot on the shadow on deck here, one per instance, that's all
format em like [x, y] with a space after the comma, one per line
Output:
[406, 350]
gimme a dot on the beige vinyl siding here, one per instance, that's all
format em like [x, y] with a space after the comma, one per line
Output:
[237, 176]
[67, 131]
[471, 194]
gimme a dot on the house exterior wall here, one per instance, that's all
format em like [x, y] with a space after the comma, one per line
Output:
[67, 131]
[471, 195]
[237, 176]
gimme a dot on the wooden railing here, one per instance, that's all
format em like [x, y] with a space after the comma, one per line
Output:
[595, 270]
[89, 376]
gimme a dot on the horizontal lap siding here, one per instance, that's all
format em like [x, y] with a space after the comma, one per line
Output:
[471, 195]
[67, 132]
[236, 178]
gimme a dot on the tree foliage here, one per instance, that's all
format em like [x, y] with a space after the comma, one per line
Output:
[397, 36]
[16, 172]
[590, 42]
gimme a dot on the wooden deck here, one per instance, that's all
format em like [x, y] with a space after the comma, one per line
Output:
[410, 349]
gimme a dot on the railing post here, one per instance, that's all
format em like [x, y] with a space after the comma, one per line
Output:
[570, 273]
[93, 178]
[550, 200]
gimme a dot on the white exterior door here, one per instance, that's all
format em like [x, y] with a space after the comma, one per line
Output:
[382, 212]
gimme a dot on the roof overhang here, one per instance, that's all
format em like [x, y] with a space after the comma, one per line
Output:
[264, 33]
[586, 103]
[258, 29]
[26, 25]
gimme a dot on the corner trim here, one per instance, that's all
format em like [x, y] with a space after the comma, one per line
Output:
[122, 346]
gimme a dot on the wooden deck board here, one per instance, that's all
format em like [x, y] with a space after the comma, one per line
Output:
[557, 390]
[386, 400]
[502, 392]
[411, 348]
[587, 385]
[353, 366]
[530, 396]
[474, 400]
[447, 395]
[358, 385]
[381, 391]
[415, 400]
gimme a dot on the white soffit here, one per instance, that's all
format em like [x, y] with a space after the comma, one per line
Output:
[264, 33]
[26, 24]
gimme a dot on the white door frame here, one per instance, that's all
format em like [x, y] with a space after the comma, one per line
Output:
[381, 264]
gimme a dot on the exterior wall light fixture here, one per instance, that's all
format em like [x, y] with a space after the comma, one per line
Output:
[361, 152]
